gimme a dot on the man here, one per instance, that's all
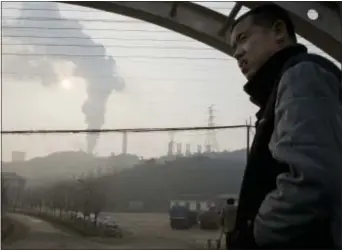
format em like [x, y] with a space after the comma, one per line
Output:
[291, 191]
[227, 217]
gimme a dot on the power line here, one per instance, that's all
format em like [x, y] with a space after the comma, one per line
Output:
[183, 65]
[117, 56]
[12, 18]
[113, 46]
[47, 9]
[110, 77]
[32, 36]
[106, 38]
[107, 45]
[93, 29]
[195, 65]
[130, 130]
[90, 20]
[103, 38]
[39, 18]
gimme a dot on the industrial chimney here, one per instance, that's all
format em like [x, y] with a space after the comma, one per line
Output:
[188, 150]
[179, 148]
[199, 149]
[124, 143]
[170, 149]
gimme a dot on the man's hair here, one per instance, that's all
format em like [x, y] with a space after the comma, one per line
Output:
[266, 16]
[230, 201]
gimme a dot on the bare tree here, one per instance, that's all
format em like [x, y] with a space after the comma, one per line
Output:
[94, 197]
[86, 195]
[4, 200]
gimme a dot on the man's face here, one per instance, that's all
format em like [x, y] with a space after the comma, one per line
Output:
[252, 45]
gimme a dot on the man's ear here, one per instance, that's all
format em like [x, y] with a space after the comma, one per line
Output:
[279, 29]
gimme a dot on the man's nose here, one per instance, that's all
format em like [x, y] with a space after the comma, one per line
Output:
[238, 54]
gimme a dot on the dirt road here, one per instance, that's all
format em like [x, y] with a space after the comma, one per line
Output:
[148, 231]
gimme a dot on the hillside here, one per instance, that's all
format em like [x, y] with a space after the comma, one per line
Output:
[155, 184]
[66, 165]
[126, 178]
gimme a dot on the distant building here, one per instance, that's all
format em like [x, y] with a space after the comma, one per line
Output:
[18, 156]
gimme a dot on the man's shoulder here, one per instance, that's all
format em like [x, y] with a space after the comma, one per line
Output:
[317, 76]
[314, 60]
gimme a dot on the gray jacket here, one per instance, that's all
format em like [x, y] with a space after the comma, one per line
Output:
[308, 137]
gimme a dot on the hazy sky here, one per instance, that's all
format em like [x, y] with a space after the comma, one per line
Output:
[164, 92]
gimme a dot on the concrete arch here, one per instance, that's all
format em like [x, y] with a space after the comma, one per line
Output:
[210, 27]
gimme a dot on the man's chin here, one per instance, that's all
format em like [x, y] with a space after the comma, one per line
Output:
[249, 74]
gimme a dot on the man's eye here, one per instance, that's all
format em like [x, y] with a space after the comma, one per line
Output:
[242, 38]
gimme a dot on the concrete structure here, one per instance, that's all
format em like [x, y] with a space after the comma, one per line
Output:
[124, 143]
[18, 156]
[212, 28]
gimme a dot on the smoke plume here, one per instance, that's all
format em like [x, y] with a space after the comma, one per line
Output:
[99, 72]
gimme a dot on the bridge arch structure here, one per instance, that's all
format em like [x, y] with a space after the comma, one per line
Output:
[323, 29]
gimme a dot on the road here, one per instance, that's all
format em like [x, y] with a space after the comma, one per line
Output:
[43, 235]
[151, 227]
[147, 231]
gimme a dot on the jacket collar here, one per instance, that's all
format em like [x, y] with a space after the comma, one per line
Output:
[261, 85]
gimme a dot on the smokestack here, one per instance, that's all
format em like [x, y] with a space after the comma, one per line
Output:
[124, 143]
[199, 149]
[170, 149]
[99, 73]
[179, 148]
[188, 150]
[98, 91]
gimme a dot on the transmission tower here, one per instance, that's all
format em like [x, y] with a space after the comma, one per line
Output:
[211, 144]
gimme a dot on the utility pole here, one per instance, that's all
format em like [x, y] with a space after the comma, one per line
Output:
[211, 142]
[248, 135]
